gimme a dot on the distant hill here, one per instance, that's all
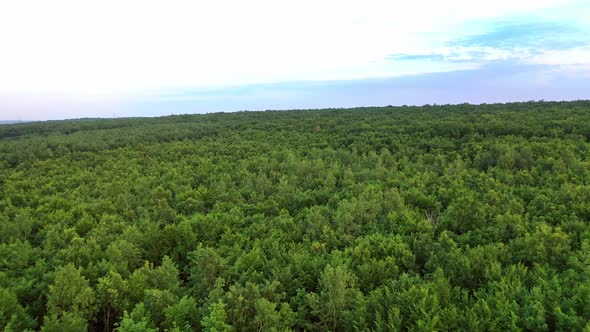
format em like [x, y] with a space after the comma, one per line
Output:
[11, 121]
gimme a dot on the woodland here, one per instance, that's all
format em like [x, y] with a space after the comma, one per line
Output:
[409, 218]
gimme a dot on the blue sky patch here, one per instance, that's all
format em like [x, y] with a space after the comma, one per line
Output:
[507, 35]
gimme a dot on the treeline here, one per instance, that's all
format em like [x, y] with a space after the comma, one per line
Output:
[452, 217]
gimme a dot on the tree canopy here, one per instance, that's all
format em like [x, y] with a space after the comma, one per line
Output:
[449, 217]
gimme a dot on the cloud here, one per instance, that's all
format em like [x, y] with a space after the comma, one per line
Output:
[71, 54]
[416, 57]
[495, 82]
[534, 39]
[572, 56]
[114, 47]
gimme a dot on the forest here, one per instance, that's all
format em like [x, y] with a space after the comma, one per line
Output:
[409, 218]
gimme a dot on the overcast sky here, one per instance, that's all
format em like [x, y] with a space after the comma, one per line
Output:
[70, 59]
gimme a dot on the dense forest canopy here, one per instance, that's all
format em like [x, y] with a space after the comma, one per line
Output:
[454, 217]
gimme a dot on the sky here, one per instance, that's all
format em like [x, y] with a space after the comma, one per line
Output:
[72, 59]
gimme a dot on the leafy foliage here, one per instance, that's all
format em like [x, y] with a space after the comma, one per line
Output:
[453, 217]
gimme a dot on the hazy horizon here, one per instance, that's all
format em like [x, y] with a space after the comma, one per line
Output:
[65, 59]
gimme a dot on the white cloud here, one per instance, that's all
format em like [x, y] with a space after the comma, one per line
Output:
[574, 56]
[116, 47]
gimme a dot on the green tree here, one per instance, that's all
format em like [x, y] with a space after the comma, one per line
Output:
[66, 322]
[337, 297]
[112, 293]
[130, 324]
[13, 316]
[71, 293]
[182, 315]
[216, 320]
